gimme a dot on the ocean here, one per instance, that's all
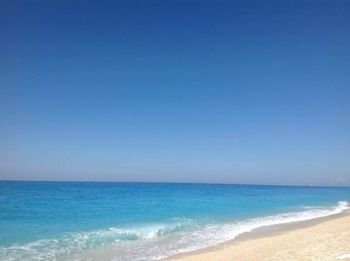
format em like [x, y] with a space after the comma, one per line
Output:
[145, 221]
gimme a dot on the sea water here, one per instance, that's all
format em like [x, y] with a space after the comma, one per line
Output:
[145, 221]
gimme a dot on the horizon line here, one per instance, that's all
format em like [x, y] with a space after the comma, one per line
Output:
[177, 182]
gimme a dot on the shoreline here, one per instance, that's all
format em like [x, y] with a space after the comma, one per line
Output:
[257, 237]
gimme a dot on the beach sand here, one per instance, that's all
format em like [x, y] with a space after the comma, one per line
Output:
[326, 239]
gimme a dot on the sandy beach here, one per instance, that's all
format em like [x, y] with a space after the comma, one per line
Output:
[327, 239]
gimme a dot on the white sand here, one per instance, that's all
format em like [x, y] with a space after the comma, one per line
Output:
[329, 240]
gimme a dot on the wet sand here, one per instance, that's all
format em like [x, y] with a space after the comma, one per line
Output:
[320, 239]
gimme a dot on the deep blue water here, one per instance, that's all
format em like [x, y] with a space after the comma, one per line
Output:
[145, 221]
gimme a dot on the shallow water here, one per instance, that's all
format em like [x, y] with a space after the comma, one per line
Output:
[145, 221]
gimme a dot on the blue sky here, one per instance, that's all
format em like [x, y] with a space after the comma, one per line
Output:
[177, 91]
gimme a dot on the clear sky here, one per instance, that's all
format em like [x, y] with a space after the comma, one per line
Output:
[176, 91]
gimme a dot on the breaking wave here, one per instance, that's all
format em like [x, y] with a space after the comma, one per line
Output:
[187, 235]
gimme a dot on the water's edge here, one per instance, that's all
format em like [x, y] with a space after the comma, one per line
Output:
[262, 232]
[143, 222]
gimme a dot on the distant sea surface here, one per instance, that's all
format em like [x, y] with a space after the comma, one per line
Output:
[145, 221]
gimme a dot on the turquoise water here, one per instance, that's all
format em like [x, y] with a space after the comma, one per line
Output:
[144, 221]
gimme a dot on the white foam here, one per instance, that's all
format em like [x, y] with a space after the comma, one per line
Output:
[286, 218]
[154, 241]
[72, 243]
[215, 234]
